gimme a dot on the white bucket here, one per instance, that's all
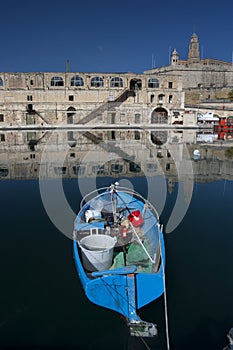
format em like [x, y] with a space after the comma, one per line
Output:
[97, 252]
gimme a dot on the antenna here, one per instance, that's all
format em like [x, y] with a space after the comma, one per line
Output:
[153, 61]
[67, 65]
[169, 55]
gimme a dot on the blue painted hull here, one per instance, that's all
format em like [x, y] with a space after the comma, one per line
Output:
[124, 289]
[111, 291]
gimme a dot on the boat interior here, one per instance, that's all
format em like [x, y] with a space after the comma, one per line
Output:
[133, 227]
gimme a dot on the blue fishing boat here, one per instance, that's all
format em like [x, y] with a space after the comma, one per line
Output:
[119, 253]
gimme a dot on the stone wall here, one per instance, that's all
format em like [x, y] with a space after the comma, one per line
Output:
[55, 98]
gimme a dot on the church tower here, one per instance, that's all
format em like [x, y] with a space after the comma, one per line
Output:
[174, 58]
[194, 54]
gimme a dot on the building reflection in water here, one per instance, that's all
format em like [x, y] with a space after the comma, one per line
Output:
[116, 153]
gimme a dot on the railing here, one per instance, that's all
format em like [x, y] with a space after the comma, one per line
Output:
[108, 105]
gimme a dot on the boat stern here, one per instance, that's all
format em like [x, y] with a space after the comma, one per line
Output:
[142, 329]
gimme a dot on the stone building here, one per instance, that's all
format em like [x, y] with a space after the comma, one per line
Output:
[89, 98]
[158, 96]
[202, 79]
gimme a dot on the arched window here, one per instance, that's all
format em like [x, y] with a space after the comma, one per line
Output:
[116, 82]
[135, 84]
[97, 82]
[71, 111]
[57, 81]
[1, 82]
[153, 83]
[160, 98]
[76, 81]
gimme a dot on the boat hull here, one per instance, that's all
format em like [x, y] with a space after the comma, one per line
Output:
[111, 291]
[134, 274]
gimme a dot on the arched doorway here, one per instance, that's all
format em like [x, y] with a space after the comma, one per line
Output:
[135, 84]
[71, 111]
[159, 137]
[159, 116]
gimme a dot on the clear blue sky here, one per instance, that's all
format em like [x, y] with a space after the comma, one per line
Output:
[110, 36]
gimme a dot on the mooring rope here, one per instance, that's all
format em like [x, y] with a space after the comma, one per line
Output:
[165, 298]
[144, 342]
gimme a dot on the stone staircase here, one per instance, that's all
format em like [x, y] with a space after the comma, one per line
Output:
[34, 112]
[108, 106]
[109, 146]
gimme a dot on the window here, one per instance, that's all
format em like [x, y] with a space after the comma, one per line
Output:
[31, 137]
[134, 167]
[60, 170]
[135, 84]
[71, 111]
[57, 81]
[152, 98]
[137, 118]
[79, 169]
[76, 81]
[100, 136]
[116, 82]
[30, 119]
[1, 118]
[101, 170]
[170, 85]
[29, 98]
[97, 82]
[170, 98]
[116, 168]
[111, 118]
[71, 98]
[2, 137]
[160, 97]
[30, 108]
[137, 135]
[4, 172]
[111, 135]
[153, 83]
[1, 82]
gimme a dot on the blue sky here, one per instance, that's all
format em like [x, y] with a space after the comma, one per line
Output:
[110, 36]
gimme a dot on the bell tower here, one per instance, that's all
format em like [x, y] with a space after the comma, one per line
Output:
[174, 58]
[194, 54]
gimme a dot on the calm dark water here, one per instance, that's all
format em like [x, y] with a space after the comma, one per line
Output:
[43, 305]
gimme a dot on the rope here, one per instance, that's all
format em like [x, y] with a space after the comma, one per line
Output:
[144, 342]
[165, 298]
[134, 231]
[140, 242]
